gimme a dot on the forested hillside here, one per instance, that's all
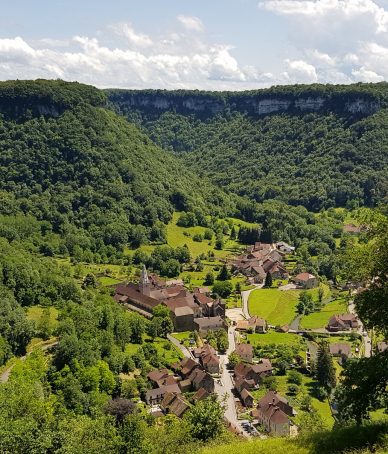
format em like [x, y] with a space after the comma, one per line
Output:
[317, 146]
[95, 179]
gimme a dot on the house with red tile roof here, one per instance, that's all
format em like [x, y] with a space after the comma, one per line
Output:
[273, 413]
[306, 280]
[342, 322]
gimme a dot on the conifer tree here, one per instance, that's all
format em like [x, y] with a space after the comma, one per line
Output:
[223, 274]
[325, 367]
[268, 281]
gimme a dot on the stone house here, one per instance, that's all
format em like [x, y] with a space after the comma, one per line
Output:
[306, 280]
[246, 398]
[245, 352]
[273, 412]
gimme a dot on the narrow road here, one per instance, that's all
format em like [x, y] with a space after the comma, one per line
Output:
[245, 296]
[294, 325]
[361, 330]
[6, 374]
[225, 386]
[186, 352]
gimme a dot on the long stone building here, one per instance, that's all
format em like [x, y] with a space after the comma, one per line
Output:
[185, 307]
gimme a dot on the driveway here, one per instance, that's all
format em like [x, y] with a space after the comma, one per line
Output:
[245, 296]
[366, 339]
[186, 352]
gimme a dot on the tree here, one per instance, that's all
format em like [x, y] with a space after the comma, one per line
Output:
[293, 389]
[321, 292]
[205, 419]
[325, 367]
[223, 275]
[233, 233]
[268, 280]
[223, 289]
[209, 278]
[171, 268]
[89, 281]
[219, 244]
[120, 408]
[44, 325]
[305, 304]
[233, 359]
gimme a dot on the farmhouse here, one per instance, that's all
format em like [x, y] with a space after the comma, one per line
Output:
[273, 413]
[246, 398]
[173, 403]
[282, 246]
[255, 372]
[254, 324]
[306, 280]
[156, 395]
[342, 322]
[204, 324]
[260, 259]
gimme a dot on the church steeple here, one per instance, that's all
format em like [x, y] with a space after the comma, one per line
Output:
[144, 283]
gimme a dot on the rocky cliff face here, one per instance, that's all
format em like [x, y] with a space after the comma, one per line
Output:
[256, 104]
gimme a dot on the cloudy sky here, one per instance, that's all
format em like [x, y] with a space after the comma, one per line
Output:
[204, 44]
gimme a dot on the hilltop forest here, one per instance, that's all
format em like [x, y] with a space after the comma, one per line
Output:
[316, 146]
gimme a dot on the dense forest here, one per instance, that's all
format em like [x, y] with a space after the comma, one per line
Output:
[318, 156]
[95, 179]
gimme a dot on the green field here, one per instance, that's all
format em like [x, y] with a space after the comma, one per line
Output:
[275, 306]
[321, 318]
[273, 337]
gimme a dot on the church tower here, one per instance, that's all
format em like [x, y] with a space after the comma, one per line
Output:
[144, 283]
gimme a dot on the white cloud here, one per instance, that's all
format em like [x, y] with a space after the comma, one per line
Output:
[301, 71]
[366, 75]
[123, 57]
[137, 39]
[341, 8]
[191, 22]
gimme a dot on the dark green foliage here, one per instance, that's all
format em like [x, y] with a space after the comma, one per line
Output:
[247, 235]
[268, 280]
[96, 180]
[209, 278]
[317, 160]
[206, 419]
[305, 304]
[224, 274]
[223, 288]
[325, 368]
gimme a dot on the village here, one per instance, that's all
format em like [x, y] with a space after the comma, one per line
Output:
[259, 388]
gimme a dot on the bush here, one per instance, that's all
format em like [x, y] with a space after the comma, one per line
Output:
[223, 288]
[294, 377]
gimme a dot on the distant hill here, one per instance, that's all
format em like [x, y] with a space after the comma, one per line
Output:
[99, 182]
[319, 146]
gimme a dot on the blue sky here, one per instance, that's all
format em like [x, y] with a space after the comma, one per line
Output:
[213, 44]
